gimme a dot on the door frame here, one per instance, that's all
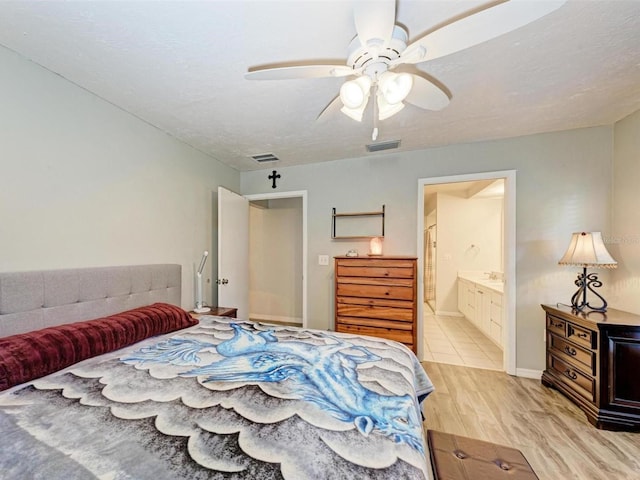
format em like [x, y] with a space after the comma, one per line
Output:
[294, 194]
[509, 257]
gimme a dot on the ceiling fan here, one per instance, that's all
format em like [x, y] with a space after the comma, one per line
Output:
[380, 46]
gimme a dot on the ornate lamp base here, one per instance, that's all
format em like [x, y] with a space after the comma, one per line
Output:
[587, 282]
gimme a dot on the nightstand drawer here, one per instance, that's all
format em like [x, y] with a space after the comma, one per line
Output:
[556, 325]
[578, 356]
[579, 382]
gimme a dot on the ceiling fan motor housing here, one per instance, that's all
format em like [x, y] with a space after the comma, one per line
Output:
[374, 57]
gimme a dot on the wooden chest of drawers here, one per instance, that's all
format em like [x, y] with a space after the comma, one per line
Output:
[377, 296]
[593, 358]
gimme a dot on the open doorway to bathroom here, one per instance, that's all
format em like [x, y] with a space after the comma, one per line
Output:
[467, 254]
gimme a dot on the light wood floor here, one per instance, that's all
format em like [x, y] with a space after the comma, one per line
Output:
[548, 429]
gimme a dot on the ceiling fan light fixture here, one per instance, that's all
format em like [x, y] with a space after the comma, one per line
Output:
[386, 109]
[354, 113]
[395, 86]
[354, 93]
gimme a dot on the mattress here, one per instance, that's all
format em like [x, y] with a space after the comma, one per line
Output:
[224, 399]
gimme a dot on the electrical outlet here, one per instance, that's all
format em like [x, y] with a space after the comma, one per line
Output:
[323, 259]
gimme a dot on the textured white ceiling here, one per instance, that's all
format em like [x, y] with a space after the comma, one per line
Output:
[180, 65]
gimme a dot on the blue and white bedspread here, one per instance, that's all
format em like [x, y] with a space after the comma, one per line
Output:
[224, 399]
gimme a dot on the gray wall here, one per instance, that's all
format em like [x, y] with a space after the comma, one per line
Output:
[624, 242]
[563, 185]
[83, 183]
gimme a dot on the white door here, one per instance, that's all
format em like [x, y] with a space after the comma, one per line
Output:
[233, 251]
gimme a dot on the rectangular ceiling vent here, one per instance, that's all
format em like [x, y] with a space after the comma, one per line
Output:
[265, 158]
[376, 147]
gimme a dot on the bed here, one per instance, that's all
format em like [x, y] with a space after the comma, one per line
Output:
[141, 390]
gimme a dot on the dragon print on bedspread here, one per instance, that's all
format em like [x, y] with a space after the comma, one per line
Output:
[324, 374]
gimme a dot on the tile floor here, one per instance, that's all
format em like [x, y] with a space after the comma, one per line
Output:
[456, 341]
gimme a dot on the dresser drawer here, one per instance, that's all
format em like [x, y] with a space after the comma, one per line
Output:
[579, 382]
[369, 262]
[557, 325]
[374, 322]
[381, 302]
[385, 272]
[374, 311]
[581, 335]
[402, 336]
[578, 356]
[375, 291]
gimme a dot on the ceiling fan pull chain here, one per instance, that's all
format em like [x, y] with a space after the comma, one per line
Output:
[374, 134]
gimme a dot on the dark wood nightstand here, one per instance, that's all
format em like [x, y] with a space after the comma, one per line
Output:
[218, 311]
[593, 358]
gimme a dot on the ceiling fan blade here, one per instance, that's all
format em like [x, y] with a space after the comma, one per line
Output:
[334, 106]
[299, 71]
[484, 23]
[426, 94]
[375, 20]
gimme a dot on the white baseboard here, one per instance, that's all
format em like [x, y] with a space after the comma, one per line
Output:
[528, 373]
[260, 317]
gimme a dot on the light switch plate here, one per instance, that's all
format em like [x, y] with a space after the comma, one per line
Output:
[323, 259]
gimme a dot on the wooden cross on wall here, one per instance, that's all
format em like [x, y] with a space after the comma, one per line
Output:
[274, 176]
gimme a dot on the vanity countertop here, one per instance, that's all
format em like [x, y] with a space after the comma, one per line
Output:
[483, 280]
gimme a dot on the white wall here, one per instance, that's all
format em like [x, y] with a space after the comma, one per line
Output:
[563, 185]
[469, 238]
[624, 241]
[275, 259]
[83, 183]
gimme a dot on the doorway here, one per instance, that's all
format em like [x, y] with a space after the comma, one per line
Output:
[278, 257]
[487, 250]
[233, 248]
[275, 261]
[430, 264]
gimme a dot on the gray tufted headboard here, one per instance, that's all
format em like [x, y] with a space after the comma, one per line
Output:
[39, 299]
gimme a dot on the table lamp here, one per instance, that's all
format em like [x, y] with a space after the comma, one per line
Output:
[587, 249]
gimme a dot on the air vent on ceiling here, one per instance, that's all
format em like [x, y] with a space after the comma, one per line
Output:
[265, 157]
[376, 147]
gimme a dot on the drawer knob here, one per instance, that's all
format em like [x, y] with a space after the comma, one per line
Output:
[582, 335]
[572, 375]
[570, 350]
[556, 325]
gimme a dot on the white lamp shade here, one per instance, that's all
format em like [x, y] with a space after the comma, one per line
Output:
[395, 86]
[587, 250]
[354, 93]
